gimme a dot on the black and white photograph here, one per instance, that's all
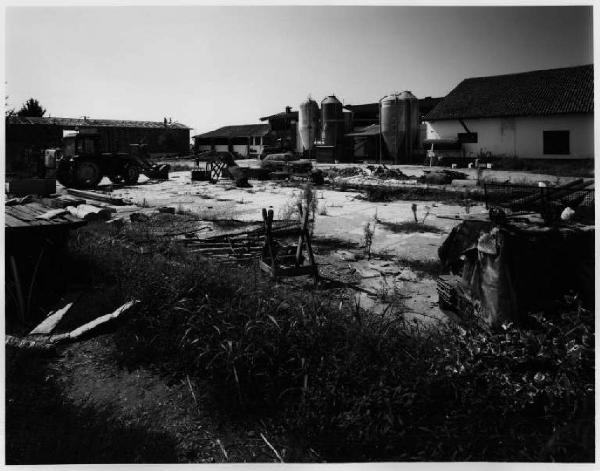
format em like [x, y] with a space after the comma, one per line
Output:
[317, 233]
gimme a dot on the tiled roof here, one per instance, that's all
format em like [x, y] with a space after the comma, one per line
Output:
[540, 92]
[242, 130]
[74, 122]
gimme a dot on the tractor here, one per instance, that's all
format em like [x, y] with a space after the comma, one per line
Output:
[83, 164]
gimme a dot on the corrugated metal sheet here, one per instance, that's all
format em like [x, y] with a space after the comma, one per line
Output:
[242, 130]
[75, 122]
[366, 131]
[536, 93]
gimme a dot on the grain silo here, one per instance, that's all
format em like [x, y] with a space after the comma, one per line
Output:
[332, 120]
[308, 125]
[399, 125]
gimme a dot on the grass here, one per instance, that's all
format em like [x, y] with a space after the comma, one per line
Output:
[580, 168]
[381, 194]
[350, 384]
[409, 227]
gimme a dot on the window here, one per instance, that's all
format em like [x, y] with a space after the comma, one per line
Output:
[257, 141]
[467, 137]
[556, 142]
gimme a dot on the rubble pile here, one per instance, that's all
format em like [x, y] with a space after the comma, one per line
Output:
[441, 177]
[387, 173]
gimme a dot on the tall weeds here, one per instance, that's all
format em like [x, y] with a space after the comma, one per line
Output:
[359, 386]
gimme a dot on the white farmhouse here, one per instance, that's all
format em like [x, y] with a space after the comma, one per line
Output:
[543, 114]
[247, 140]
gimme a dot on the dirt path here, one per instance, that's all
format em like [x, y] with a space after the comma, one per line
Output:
[88, 376]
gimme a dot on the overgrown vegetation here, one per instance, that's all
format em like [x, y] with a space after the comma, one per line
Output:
[368, 233]
[354, 385]
[308, 199]
[565, 168]
[412, 193]
[409, 227]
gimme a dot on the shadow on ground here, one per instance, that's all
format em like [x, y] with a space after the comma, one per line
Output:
[42, 427]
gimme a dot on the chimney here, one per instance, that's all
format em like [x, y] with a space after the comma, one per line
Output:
[288, 109]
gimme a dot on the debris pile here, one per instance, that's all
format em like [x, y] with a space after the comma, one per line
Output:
[506, 265]
[386, 173]
[441, 177]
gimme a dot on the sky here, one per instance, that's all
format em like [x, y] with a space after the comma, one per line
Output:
[211, 66]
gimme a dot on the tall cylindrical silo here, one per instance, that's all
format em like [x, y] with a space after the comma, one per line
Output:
[347, 120]
[308, 124]
[399, 125]
[332, 121]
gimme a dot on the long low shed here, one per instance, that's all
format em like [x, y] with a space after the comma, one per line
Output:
[29, 135]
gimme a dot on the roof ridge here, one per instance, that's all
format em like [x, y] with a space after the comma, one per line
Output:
[535, 71]
[533, 93]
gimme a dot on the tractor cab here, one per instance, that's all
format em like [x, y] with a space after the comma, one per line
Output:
[80, 143]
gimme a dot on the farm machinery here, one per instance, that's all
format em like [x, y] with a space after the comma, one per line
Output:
[282, 166]
[83, 164]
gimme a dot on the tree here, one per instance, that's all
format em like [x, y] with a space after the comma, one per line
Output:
[8, 111]
[32, 108]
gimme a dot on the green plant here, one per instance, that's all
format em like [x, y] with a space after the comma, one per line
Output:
[368, 233]
[307, 199]
[356, 385]
[410, 227]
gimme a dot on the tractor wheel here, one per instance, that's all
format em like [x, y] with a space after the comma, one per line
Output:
[132, 173]
[87, 174]
[64, 174]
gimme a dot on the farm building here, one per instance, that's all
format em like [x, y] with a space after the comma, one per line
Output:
[543, 114]
[366, 121]
[248, 140]
[368, 114]
[30, 135]
[284, 126]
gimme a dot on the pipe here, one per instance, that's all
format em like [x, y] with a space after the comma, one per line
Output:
[380, 131]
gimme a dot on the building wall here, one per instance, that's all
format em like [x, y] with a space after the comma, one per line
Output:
[24, 142]
[22, 139]
[158, 140]
[519, 136]
[253, 146]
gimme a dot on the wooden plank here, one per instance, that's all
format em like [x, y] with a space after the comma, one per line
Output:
[11, 221]
[93, 325]
[96, 196]
[50, 323]
[16, 212]
[38, 207]
[20, 217]
[32, 213]
[26, 209]
[52, 214]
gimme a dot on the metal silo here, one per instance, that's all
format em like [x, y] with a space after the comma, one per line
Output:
[399, 125]
[308, 124]
[347, 120]
[332, 120]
